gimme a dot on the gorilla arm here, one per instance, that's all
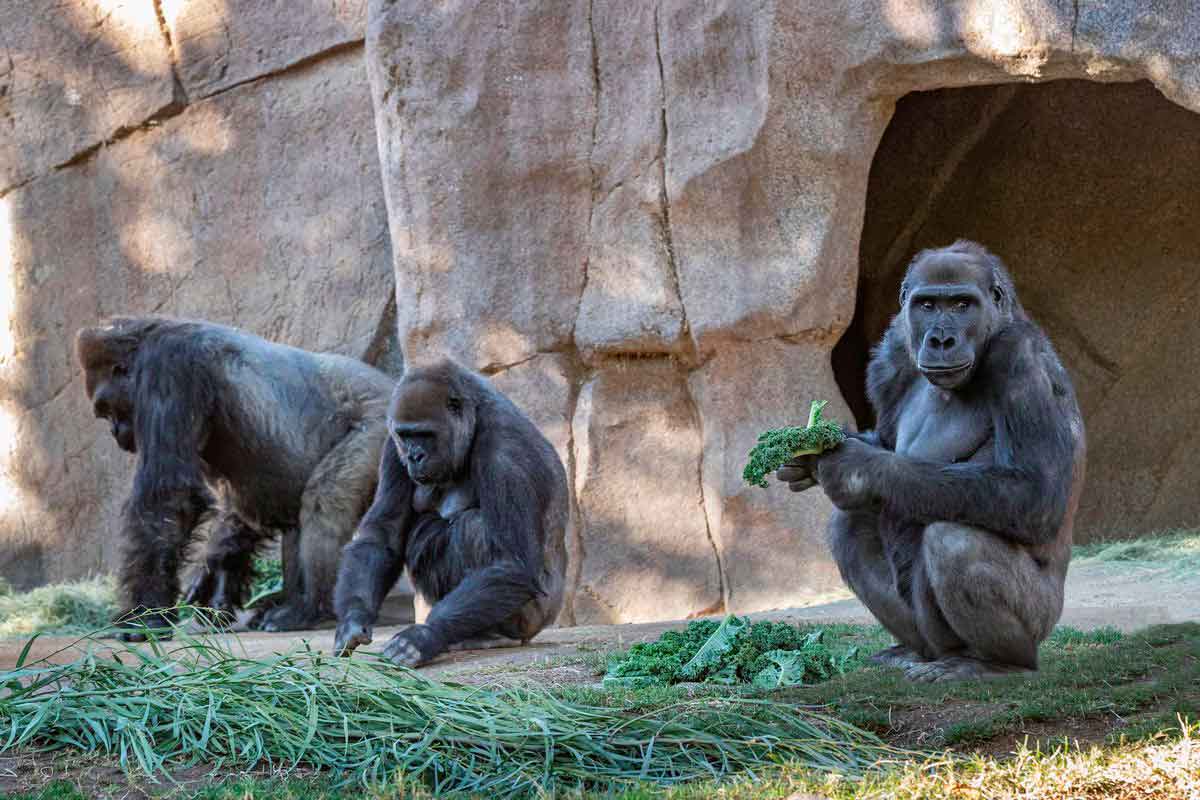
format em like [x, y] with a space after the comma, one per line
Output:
[494, 555]
[169, 496]
[1022, 495]
[372, 562]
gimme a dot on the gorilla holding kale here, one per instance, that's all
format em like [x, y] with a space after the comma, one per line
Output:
[271, 438]
[954, 516]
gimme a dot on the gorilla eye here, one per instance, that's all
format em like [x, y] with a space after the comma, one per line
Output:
[119, 371]
[962, 305]
[926, 305]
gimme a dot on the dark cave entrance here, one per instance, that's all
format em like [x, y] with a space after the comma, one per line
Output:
[1090, 193]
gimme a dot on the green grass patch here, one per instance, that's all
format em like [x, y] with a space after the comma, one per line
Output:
[62, 608]
[1179, 548]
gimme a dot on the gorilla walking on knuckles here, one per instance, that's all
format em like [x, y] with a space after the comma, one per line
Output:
[473, 500]
[273, 438]
[954, 516]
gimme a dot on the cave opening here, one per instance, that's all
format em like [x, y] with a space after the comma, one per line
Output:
[1090, 193]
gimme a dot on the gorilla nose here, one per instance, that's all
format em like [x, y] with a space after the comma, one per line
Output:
[944, 342]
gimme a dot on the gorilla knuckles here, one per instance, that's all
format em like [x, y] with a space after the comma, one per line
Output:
[287, 439]
[955, 514]
[473, 501]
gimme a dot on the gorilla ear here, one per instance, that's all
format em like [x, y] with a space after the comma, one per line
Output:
[998, 296]
[903, 293]
[454, 404]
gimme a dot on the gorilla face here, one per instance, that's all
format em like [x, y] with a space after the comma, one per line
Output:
[110, 388]
[432, 427]
[952, 309]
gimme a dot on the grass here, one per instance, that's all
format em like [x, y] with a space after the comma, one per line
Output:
[1091, 720]
[157, 710]
[63, 608]
[1178, 548]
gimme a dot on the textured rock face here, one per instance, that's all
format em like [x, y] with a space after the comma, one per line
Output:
[72, 75]
[221, 43]
[680, 187]
[261, 206]
[646, 549]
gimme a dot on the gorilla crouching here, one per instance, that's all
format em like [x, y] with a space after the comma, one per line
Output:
[955, 514]
[472, 499]
[273, 438]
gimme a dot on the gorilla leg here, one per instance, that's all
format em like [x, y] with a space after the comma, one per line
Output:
[478, 596]
[330, 510]
[858, 551]
[984, 604]
[222, 581]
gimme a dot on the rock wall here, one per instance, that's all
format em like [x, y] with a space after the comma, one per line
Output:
[660, 205]
[212, 159]
[643, 219]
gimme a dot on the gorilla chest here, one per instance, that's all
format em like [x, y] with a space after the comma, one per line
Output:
[447, 501]
[939, 425]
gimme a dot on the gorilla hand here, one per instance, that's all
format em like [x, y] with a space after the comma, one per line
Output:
[414, 646]
[799, 473]
[200, 589]
[351, 632]
[849, 474]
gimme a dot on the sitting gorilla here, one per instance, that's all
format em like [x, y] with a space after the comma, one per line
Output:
[286, 439]
[473, 500]
[954, 515]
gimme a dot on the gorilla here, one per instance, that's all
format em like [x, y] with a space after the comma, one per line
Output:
[272, 438]
[954, 516]
[472, 499]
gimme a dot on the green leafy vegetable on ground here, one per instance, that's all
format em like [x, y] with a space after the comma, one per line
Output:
[782, 444]
[766, 655]
[193, 702]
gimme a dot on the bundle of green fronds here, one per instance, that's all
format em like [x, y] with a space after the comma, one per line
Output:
[782, 444]
[67, 608]
[197, 703]
[765, 655]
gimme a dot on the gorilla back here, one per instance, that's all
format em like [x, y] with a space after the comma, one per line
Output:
[955, 514]
[276, 439]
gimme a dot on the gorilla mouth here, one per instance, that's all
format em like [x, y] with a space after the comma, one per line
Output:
[944, 371]
[948, 377]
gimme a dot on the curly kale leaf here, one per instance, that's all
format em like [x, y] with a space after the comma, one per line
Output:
[781, 444]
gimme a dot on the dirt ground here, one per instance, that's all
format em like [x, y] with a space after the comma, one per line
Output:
[1098, 594]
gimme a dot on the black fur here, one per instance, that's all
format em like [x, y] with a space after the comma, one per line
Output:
[481, 532]
[957, 533]
[276, 438]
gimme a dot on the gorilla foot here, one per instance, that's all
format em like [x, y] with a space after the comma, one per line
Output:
[961, 668]
[898, 656]
[288, 617]
[414, 646]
